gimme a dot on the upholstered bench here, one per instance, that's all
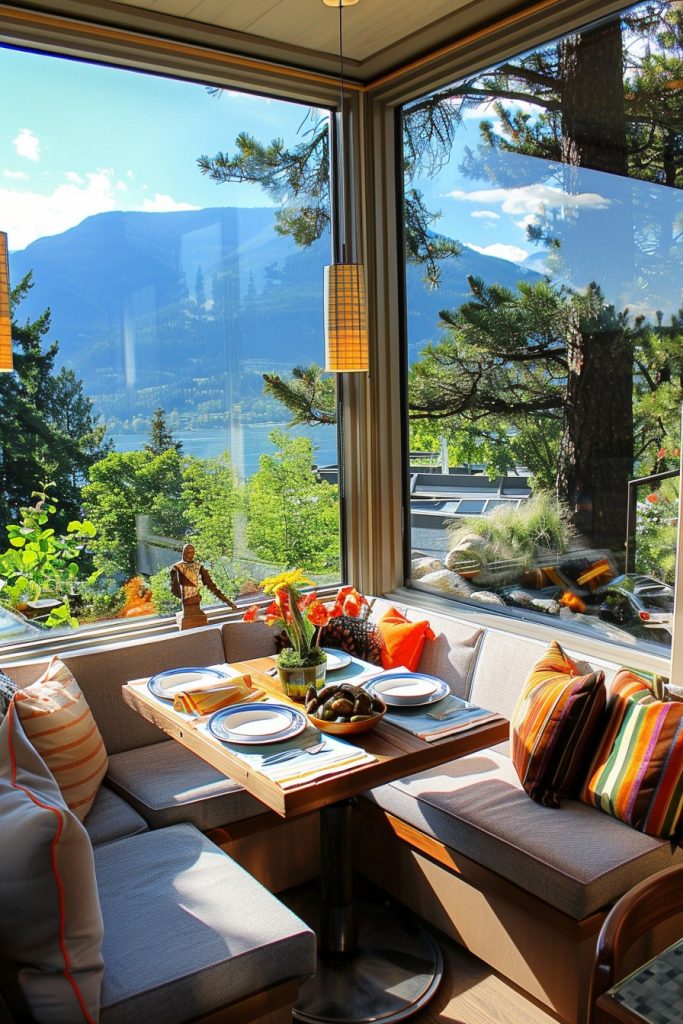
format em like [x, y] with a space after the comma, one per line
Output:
[523, 886]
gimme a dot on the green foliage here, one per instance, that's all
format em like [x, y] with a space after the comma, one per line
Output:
[160, 435]
[656, 532]
[309, 394]
[41, 563]
[126, 484]
[212, 499]
[47, 430]
[293, 519]
[516, 534]
[165, 602]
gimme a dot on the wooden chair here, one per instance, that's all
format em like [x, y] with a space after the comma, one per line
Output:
[639, 911]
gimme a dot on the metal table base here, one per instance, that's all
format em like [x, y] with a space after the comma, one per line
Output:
[374, 965]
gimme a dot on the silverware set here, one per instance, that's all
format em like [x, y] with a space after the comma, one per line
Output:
[287, 755]
[446, 713]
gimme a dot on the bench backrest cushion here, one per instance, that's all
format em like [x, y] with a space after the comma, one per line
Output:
[245, 640]
[51, 928]
[102, 671]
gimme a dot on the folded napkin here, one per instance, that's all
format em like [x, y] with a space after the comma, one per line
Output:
[338, 756]
[203, 701]
[416, 720]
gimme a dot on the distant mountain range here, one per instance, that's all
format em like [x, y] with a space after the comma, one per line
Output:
[188, 309]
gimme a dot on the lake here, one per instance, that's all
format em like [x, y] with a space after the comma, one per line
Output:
[246, 443]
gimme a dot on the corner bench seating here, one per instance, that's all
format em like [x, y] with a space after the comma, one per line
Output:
[524, 887]
[189, 934]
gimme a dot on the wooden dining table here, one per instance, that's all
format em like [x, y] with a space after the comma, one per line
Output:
[372, 965]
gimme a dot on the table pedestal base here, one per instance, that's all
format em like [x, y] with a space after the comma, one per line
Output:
[393, 973]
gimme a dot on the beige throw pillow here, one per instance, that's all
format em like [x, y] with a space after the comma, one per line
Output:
[58, 722]
[51, 927]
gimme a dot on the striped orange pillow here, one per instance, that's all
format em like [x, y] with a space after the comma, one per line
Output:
[637, 772]
[554, 725]
[60, 726]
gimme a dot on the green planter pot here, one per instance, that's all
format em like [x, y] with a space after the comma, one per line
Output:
[296, 681]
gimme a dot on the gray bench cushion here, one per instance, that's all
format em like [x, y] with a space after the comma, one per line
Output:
[166, 783]
[110, 818]
[186, 930]
[575, 858]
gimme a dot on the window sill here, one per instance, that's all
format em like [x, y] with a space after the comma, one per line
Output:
[643, 657]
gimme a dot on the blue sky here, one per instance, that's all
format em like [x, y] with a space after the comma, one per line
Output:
[79, 139]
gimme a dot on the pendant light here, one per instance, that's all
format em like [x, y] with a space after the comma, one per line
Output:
[346, 318]
[6, 364]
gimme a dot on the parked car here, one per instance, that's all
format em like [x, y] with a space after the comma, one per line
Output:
[640, 604]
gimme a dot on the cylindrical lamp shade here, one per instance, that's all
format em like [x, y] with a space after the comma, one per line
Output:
[6, 364]
[346, 319]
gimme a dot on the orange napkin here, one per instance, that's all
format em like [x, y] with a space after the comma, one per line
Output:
[205, 702]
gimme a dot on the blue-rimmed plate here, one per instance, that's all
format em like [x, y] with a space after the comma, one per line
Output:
[257, 723]
[336, 659]
[407, 689]
[167, 684]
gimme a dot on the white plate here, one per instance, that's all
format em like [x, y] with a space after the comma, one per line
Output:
[167, 684]
[336, 659]
[407, 689]
[262, 723]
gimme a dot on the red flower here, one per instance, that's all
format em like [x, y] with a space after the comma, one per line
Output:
[251, 613]
[349, 602]
[317, 613]
[661, 453]
[272, 613]
[652, 498]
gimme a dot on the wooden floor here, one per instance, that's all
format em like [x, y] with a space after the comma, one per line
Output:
[470, 992]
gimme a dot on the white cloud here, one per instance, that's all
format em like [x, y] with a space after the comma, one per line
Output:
[27, 144]
[30, 215]
[74, 178]
[15, 175]
[525, 222]
[485, 214]
[531, 199]
[512, 253]
[165, 204]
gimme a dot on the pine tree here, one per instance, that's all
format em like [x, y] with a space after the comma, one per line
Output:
[47, 430]
[161, 436]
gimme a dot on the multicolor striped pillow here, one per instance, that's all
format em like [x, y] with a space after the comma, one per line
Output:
[554, 725]
[58, 722]
[637, 772]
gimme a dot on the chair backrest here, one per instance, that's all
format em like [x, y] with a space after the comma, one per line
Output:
[655, 901]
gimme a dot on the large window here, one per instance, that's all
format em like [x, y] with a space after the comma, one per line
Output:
[544, 236]
[160, 296]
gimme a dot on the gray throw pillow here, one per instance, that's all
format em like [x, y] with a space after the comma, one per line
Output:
[50, 921]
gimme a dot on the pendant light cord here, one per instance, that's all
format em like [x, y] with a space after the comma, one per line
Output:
[342, 132]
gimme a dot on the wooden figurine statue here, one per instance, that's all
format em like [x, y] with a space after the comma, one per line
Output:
[187, 578]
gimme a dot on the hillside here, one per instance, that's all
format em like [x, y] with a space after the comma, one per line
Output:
[188, 309]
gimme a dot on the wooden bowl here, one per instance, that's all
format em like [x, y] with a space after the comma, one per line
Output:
[349, 728]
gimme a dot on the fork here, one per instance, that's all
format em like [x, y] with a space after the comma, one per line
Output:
[287, 755]
[440, 716]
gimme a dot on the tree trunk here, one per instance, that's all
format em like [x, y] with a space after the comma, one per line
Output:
[596, 453]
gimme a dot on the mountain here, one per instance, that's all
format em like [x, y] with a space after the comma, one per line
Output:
[188, 309]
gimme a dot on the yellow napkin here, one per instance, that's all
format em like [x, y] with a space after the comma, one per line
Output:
[205, 702]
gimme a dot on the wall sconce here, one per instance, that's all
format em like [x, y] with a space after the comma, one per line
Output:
[6, 364]
[346, 317]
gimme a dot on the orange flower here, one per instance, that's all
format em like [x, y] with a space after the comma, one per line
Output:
[251, 613]
[652, 498]
[661, 453]
[272, 613]
[317, 613]
[348, 602]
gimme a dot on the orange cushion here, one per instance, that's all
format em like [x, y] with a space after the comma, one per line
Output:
[59, 724]
[403, 640]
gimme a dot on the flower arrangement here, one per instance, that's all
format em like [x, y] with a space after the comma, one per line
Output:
[300, 615]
